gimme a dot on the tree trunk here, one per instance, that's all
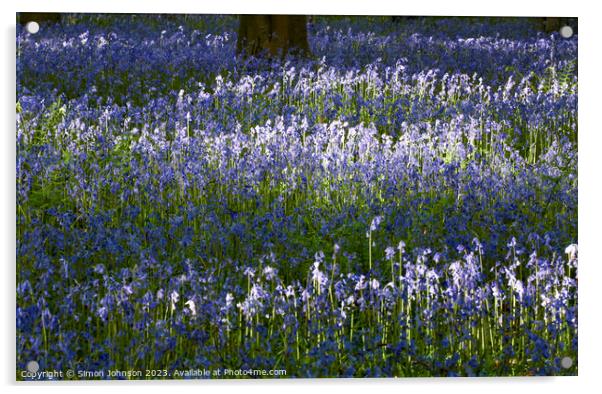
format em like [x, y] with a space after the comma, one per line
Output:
[272, 35]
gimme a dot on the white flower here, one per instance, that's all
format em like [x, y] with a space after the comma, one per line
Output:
[495, 290]
[350, 300]
[190, 304]
[318, 276]
[269, 272]
[84, 37]
[374, 284]
[519, 288]
[174, 297]
[229, 299]
[102, 42]
[571, 250]
[290, 291]
[401, 246]
[343, 314]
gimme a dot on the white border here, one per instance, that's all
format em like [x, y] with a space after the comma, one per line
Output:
[590, 143]
[337, 7]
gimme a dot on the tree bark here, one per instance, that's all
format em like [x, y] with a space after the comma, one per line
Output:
[273, 35]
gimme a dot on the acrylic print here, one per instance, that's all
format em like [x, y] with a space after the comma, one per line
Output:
[284, 196]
